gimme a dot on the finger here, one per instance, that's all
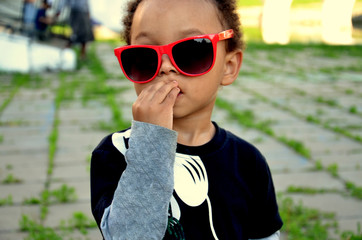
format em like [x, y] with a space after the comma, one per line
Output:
[159, 91]
[171, 97]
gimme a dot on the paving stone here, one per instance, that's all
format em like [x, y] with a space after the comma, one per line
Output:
[25, 174]
[59, 212]
[345, 161]
[278, 156]
[12, 235]
[314, 180]
[345, 208]
[11, 215]
[25, 129]
[21, 192]
[81, 186]
[354, 176]
[71, 171]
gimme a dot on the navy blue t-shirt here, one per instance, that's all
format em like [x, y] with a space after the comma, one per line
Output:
[223, 189]
[41, 13]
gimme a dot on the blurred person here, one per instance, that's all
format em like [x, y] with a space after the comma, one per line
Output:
[80, 22]
[28, 15]
[42, 21]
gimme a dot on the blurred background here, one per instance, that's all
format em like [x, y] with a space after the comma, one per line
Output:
[298, 98]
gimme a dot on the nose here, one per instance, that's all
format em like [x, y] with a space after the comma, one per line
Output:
[166, 66]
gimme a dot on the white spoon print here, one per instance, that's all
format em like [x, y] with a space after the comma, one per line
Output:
[191, 183]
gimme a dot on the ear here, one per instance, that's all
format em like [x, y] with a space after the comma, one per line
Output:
[232, 67]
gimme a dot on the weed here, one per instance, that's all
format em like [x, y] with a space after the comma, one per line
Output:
[302, 223]
[318, 165]
[36, 230]
[64, 194]
[313, 119]
[248, 119]
[17, 81]
[333, 169]
[329, 102]
[6, 201]
[95, 65]
[296, 145]
[78, 221]
[31, 201]
[311, 190]
[306, 190]
[355, 191]
[1, 138]
[349, 235]
[11, 179]
[349, 91]
[353, 109]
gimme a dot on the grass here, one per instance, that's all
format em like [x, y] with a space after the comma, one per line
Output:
[355, 191]
[11, 179]
[79, 222]
[99, 88]
[7, 201]
[18, 80]
[248, 119]
[303, 223]
[64, 194]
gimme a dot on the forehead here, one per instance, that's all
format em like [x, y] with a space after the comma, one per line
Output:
[170, 20]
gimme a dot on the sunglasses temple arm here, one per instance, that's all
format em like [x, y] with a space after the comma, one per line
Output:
[226, 34]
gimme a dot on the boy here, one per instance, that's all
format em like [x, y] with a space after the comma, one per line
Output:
[175, 174]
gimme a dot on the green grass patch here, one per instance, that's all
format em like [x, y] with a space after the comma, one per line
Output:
[353, 109]
[7, 201]
[249, 3]
[350, 235]
[64, 194]
[318, 165]
[77, 223]
[11, 179]
[355, 191]
[247, 118]
[303, 223]
[36, 231]
[252, 35]
[296, 145]
[333, 169]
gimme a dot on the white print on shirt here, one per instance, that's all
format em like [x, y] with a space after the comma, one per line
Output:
[191, 185]
[191, 182]
[119, 140]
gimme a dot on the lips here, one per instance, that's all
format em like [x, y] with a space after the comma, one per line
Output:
[180, 93]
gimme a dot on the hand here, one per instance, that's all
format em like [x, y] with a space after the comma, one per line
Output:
[155, 104]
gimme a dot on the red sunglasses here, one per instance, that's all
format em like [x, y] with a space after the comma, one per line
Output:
[191, 56]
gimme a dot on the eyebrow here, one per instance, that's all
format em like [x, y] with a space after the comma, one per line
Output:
[191, 32]
[143, 35]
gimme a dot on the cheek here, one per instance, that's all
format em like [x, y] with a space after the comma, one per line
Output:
[138, 88]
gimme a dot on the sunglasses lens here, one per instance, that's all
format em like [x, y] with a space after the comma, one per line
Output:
[139, 64]
[194, 56]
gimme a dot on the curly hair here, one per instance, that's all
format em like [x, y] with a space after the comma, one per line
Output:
[228, 16]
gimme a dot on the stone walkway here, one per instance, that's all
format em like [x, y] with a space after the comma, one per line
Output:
[295, 100]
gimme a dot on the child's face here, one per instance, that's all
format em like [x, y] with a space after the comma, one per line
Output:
[160, 22]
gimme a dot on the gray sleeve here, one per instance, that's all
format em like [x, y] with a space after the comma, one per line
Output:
[139, 209]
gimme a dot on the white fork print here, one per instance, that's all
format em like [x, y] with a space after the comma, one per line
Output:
[191, 183]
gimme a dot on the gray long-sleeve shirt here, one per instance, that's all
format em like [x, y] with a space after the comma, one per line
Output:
[139, 209]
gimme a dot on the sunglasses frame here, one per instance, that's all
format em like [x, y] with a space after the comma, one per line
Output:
[167, 49]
